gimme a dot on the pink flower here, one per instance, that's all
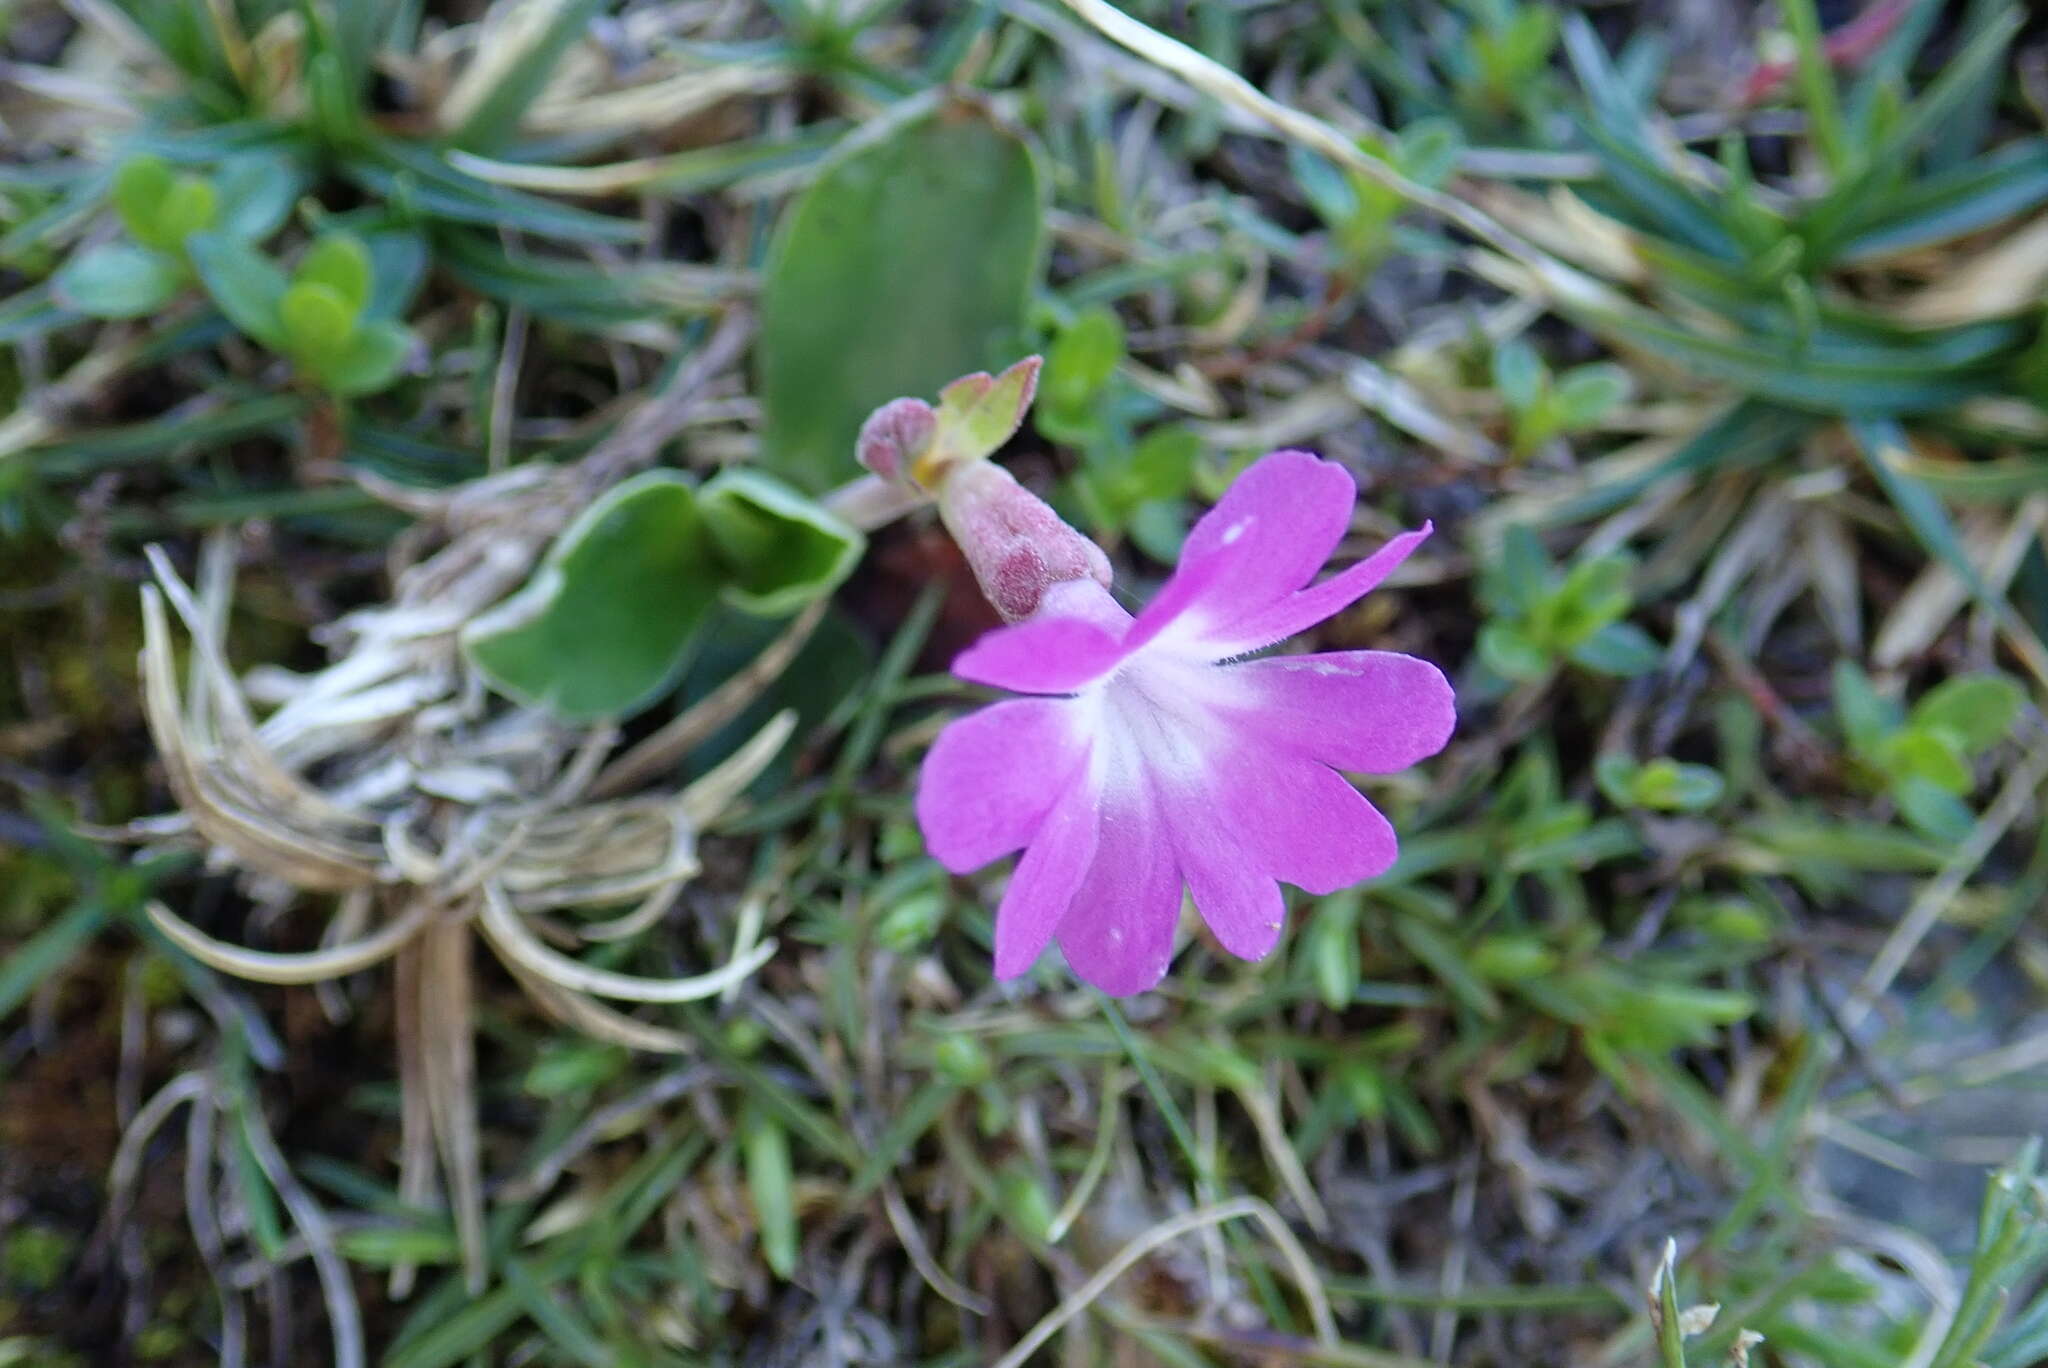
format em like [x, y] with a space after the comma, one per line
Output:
[1153, 756]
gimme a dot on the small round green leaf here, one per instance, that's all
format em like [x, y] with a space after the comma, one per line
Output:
[246, 285]
[1979, 709]
[606, 623]
[370, 360]
[1585, 395]
[140, 184]
[341, 262]
[189, 206]
[257, 192]
[118, 280]
[1080, 362]
[1509, 653]
[1519, 375]
[317, 323]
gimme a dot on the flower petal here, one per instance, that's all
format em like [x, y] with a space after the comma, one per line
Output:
[1047, 878]
[1303, 822]
[1118, 933]
[1375, 712]
[1041, 655]
[1305, 609]
[992, 776]
[1240, 902]
[1265, 539]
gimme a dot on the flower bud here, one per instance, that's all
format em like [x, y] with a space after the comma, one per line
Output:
[895, 436]
[1016, 545]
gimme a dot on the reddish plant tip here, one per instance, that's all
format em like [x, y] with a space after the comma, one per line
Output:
[895, 436]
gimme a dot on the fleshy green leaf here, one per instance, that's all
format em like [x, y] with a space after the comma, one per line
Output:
[779, 549]
[317, 321]
[1978, 709]
[1506, 651]
[246, 285]
[1585, 395]
[257, 192]
[1669, 786]
[189, 206]
[118, 280]
[1866, 716]
[140, 183]
[1518, 375]
[369, 362]
[907, 262]
[1929, 753]
[1620, 648]
[606, 623]
[1080, 361]
[1933, 810]
[340, 262]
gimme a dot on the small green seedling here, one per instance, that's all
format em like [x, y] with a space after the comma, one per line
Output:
[319, 317]
[1922, 758]
[1542, 618]
[1508, 59]
[1659, 785]
[1541, 406]
[160, 208]
[1359, 211]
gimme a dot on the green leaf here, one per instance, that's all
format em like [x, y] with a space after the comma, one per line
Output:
[117, 280]
[1518, 375]
[420, 178]
[369, 362]
[1866, 716]
[907, 262]
[257, 192]
[140, 184]
[1162, 466]
[1595, 593]
[1620, 648]
[340, 262]
[1928, 753]
[1427, 151]
[771, 1184]
[1329, 947]
[1509, 653]
[1978, 709]
[1615, 773]
[1882, 443]
[189, 206]
[1933, 810]
[779, 549]
[398, 262]
[1080, 361]
[606, 623]
[246, 285]
[1669, 786]
[1585, 395]
[317, 322]
[1328, 191]
[1159, 528]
